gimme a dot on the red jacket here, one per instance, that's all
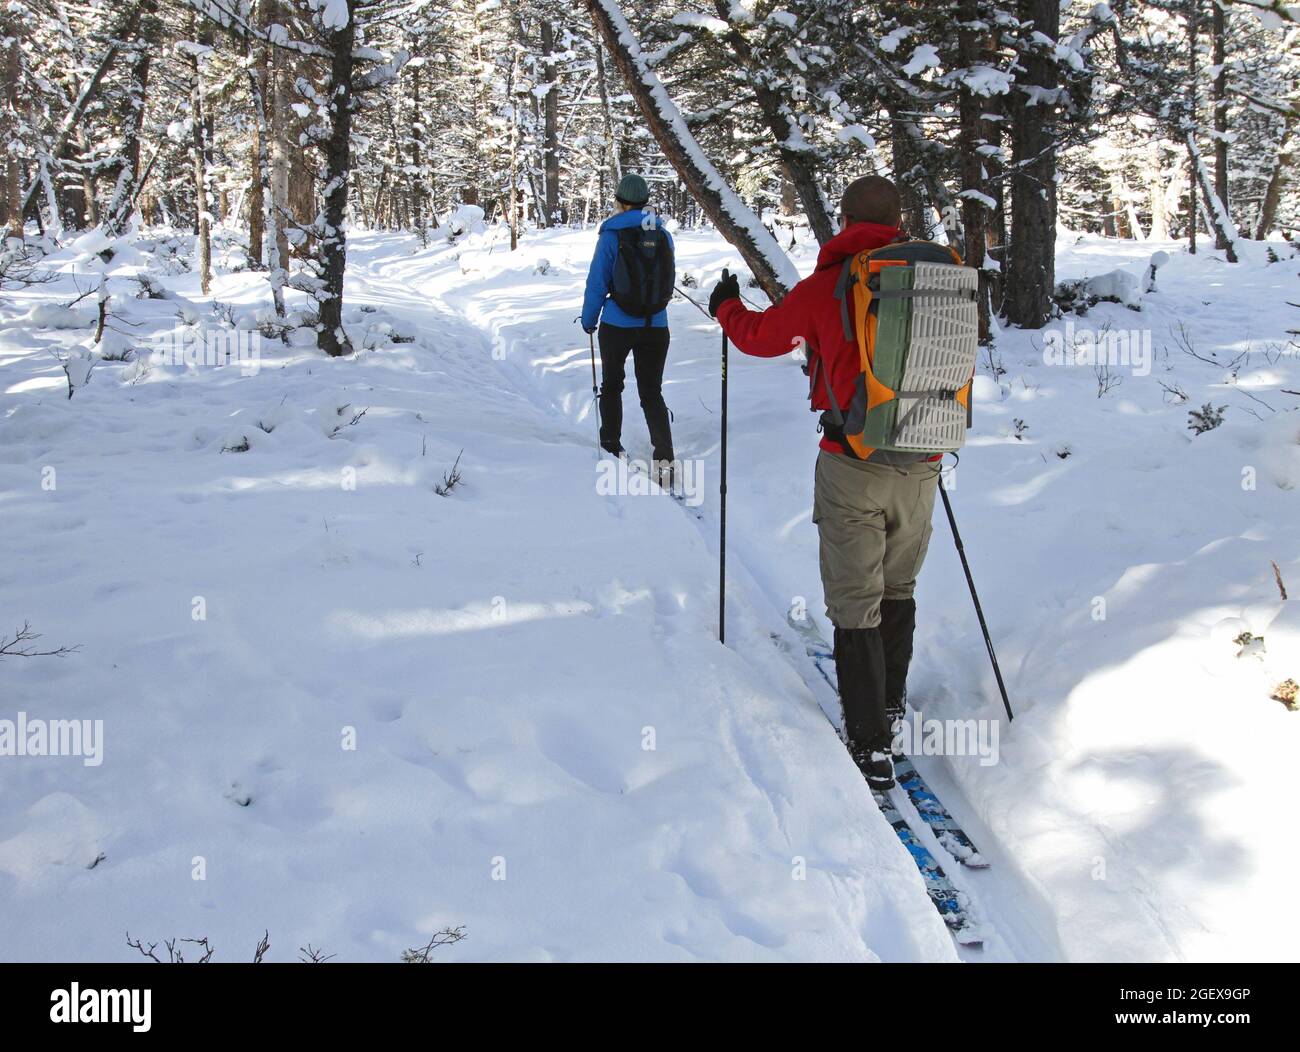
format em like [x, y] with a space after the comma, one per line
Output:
[810, 312]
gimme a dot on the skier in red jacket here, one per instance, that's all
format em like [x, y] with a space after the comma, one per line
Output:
[872, 515]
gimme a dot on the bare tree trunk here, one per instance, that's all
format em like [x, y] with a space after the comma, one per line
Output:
[511, 202]
[1031, 258]
[330, 336]
[908, 176]
[926, 160]
[1193, 104]
[1215, 206]
[609, 149]
[269, 225]
[788, 215]
[256, 204]
[772, 269]
[995, 228]
[128, 183]
[550, 127]
[1276, 182]
[1219, 97]
[257, 189]
[1119, 216]
[418, 187]
[1215, 213]
[11, 191]
[88, 213]
[970, 108]
[201, 151]
[279, 116]
[1156, 197]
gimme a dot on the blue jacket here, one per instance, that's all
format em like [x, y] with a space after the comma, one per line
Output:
[602, 272]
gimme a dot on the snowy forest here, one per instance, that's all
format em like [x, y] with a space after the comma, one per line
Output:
[337, 622]
[276, 125]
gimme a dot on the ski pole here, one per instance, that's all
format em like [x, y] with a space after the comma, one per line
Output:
[595, 390]
[970, 581]
[722, 527]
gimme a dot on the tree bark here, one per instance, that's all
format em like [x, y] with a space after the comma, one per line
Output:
[11, 196]
[1219, 97]
[269, 226]
[1031, 257]
[279, 128]
[127, 187]
[417, 180]
[330, 336]
[201, 160]
[609, 149]
[512, 194]
[908, 177]
[550, 128]
[1276, 183]
[970, 108]
[256, 203]
[1215, 213]
[1193, 104]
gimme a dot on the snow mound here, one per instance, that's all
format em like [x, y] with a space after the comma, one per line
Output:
[52, 316]
[467, 219]
[57, 830]
[1117, 285]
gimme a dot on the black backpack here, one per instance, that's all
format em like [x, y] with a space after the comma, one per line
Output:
[642, 283]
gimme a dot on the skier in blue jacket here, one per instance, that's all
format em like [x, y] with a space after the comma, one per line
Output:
[621, 333]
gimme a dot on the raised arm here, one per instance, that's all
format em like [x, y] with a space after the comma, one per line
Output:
[769, 333]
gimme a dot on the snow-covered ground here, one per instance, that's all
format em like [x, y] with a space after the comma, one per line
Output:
[362, 711]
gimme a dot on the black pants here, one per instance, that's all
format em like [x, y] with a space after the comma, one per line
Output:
[649, 350]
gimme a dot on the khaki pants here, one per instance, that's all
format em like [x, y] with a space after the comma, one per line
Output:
[874, 525]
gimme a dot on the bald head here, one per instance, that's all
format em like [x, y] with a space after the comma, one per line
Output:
[872, 199]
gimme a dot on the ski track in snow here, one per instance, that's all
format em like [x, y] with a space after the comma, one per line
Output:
[502, 689]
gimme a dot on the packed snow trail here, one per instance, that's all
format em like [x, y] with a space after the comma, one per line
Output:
[550, 747]
[534, 333]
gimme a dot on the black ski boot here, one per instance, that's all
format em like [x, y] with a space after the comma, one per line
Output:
[877, 767]
[860, 668]
[897, 626]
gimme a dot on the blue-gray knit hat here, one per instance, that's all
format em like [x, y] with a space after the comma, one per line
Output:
[632, 190]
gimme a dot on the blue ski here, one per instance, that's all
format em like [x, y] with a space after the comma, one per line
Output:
[945, 896]
[946, 829]
[950, 902]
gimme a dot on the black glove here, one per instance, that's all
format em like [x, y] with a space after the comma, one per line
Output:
[726, 289]
[589, 331]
